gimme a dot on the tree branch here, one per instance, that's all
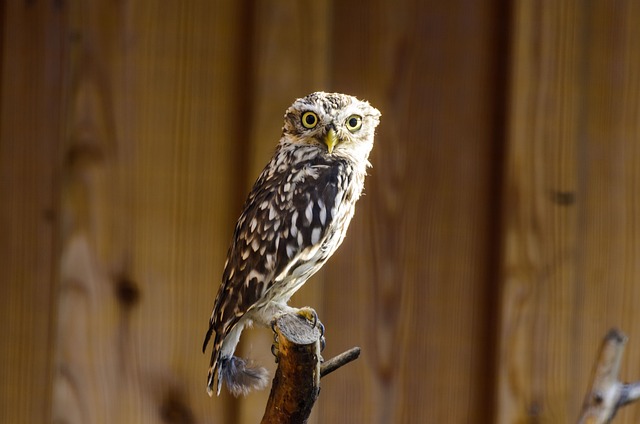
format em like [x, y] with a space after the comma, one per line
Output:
[337, 361]
[607, 394]
[296, 385]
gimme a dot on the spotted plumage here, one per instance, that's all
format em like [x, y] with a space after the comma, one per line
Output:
[294, 219]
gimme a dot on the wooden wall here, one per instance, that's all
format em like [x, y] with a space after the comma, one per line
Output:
[498, 241]
[571, 218]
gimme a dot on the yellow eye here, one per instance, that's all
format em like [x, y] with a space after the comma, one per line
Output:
[309, 120]
[354, 122]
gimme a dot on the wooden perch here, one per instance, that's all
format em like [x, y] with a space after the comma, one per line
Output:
[607, 394]
[336, 362]
[296, 385]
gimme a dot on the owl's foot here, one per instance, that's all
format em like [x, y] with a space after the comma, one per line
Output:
[275, 345]
[312, 317]
[306, 313]
[274, 349]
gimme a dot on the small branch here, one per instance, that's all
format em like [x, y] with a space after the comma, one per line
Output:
[296, 385]
[630, 393]
[607, 393]
[336, 362]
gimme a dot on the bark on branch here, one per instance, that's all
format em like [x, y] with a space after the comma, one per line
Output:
[607, 394]
[296, 385]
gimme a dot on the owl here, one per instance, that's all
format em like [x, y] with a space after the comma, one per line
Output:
[293, 220]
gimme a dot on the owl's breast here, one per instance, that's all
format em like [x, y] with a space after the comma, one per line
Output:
[327, 214]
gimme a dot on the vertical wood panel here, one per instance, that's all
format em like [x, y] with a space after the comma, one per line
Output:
[29, 141]
[610, 226]
[408, 285]
[570, 236]
[540, 292]
[289, 58]
[152, 105]
[186, 95]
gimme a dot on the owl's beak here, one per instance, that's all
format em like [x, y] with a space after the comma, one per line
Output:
[331, 139]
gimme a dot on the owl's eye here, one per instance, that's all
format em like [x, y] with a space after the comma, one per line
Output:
[354, 122]
[309, 120]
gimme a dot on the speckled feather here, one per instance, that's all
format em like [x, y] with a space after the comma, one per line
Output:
[295, 217]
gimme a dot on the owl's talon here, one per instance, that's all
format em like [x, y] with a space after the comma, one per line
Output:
[310, 315]
[275, 352]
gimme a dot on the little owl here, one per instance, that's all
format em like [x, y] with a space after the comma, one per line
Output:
[295, 217]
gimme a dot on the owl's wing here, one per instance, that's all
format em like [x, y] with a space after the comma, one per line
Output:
[287, 213]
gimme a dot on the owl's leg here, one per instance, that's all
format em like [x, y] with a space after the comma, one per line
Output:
[240, 375]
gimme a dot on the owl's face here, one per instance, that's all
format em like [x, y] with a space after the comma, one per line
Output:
[337, 124]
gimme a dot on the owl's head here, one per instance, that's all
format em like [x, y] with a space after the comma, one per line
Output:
[338, 124]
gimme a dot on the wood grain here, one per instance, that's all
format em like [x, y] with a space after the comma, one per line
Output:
[187, 170]
[540, 288]
[570, 230]
[610, 223]
[145, 202]
[409, 284]
[32, 52]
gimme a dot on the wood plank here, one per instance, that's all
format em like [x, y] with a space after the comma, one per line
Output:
[189, 92]
[570, 235]
[409, 284]
[30, 88]
[289, 59]
[539, 281]
[149, 176]
[610, 225]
